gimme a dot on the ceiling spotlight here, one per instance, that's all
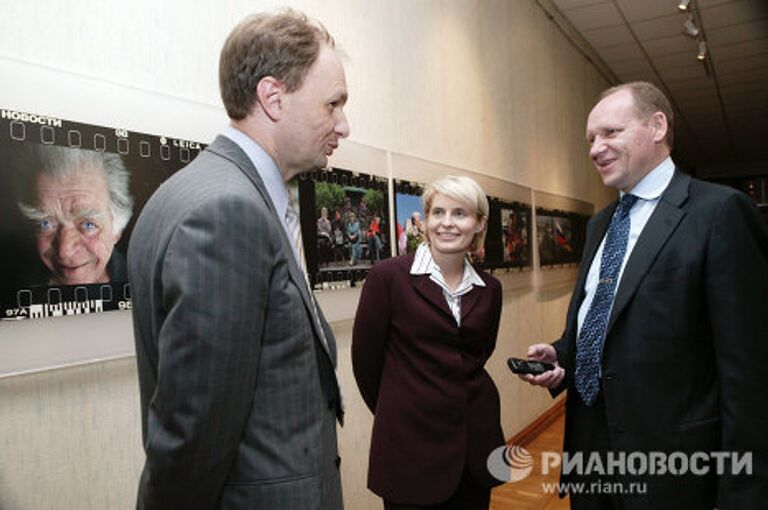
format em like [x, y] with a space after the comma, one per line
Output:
[702, 55]
[683, 5]
[689, 27]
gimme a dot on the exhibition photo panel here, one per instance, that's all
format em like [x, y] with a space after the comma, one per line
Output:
[560, 236]
[69, 194]
[345, 224]
[409, 214]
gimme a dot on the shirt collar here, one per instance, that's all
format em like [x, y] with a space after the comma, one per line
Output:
[265, 166]
[653, 185]
[423, 263]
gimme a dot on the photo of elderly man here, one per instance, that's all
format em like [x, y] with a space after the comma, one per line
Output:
[79, 204]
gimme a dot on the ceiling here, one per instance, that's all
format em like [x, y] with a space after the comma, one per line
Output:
[721, 104]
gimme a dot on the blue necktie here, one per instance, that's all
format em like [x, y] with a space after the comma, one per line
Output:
[591, 337]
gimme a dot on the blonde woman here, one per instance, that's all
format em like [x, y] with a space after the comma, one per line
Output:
[425, 326]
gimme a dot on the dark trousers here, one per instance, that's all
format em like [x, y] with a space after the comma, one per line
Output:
[591, 435]
[469, 495]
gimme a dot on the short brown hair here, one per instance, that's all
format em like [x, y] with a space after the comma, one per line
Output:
[648, 100]
[283, 45]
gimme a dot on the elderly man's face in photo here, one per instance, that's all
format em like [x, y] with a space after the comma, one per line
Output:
[75, 237]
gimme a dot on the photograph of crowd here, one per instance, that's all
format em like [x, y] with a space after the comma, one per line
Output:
[344, 224]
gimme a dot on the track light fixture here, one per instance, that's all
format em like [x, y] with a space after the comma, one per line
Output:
[702, 55]
[690, 28]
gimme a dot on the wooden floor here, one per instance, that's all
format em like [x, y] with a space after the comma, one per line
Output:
[528, 494]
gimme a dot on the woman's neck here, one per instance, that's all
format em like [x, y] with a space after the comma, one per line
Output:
[451, 266]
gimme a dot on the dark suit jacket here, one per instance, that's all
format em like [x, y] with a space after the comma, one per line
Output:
[686, 344]
[436, 409]
[238, 398]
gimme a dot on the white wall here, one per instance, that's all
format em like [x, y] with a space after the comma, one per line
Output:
[487, 86]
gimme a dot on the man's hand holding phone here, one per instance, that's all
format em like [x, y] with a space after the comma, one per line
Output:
[544, 353]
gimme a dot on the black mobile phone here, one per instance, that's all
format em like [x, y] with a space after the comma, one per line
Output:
[525, 366]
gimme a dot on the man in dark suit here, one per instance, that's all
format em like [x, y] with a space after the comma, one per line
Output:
[665, 338]
[236, 363]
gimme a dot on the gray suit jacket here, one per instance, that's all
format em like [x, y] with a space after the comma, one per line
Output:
[238, 395]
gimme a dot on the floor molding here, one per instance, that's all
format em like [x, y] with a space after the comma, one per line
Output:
[538, 425]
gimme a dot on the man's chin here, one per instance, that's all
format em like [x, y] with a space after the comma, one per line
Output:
[318, 164]
[80, 277]
[611, 180]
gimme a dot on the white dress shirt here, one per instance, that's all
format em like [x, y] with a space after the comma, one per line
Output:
[648, 190]
[423, 263]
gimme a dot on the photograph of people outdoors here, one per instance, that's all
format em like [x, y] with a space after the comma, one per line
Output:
[409, 230]
[351, 225]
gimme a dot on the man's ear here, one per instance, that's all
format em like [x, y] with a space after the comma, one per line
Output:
[269, 92]
[658, 122]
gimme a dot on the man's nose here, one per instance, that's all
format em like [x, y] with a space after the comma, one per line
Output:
[596, 148]
[66, 242]
[342, 125]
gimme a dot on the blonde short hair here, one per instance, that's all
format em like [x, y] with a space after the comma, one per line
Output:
[465, 190]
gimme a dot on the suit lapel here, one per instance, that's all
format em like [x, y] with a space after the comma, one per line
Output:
[432, 292]
[660, 226]
[469, 300]
[229, 150]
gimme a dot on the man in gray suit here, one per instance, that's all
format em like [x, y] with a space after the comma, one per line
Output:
[239, 396]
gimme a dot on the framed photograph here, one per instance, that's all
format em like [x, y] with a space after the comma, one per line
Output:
[515, 235]
[545, 234]
[507, 239]
[565, 251]
[344, 223]
[409, 215]
[561, 236]
[69, 195]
